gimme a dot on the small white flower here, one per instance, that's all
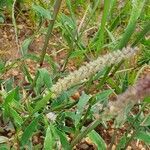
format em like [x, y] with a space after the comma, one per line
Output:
[51, 116]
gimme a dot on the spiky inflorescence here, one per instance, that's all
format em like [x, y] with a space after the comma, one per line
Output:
[91, 68]
[134, 93]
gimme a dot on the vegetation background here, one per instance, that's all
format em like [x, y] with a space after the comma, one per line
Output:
[42, 41]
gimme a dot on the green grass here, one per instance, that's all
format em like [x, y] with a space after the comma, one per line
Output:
[32, 111]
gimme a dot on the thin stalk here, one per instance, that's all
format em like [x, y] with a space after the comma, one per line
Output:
[49, 32]
[85, 132]
[15, 24]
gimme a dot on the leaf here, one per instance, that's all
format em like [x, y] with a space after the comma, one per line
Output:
[40, 104]
[45, 77]
[103, 96]
[144, 136]
[9, 84]
[49, 141]
[16, 116]
[42, 11]
[10, 97]
[25, 45]
[77, 53]
[60, 101]
[97, 139]
[29, 130]
[63, 139]
[81, 106]
[137, 6]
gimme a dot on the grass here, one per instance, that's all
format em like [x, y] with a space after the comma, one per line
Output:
[33, 116]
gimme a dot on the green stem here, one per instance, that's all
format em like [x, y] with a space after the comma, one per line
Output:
[50, 28]
[15, 24]
[85, 132]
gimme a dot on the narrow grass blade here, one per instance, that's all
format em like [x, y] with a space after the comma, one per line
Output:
[137, 6]
[29, 131]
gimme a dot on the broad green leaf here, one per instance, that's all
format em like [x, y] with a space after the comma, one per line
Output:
[42, 11]
[49, 140]
[29, 130]
[45, 77]
[61, 101]
[10, 97]
[97, 139]
[16, 116]
[63, 139]
[42, 103]
[81, 106]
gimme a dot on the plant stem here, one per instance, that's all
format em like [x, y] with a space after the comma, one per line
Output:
[15, 25]
[85, 132]
[50, 28]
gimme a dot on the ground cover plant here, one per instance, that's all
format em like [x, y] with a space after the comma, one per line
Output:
[74, 74]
